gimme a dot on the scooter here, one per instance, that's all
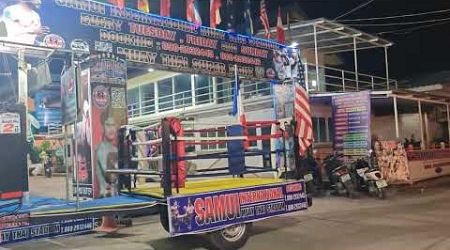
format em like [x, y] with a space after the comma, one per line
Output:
[339, 176]
[48, 170]
[369, 177]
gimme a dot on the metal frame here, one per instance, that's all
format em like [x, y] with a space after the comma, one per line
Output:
[328, 37]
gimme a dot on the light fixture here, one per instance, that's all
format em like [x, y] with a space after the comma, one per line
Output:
[150, 69]
[314, 83]
[293, 44]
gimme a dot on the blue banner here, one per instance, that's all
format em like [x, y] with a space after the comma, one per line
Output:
[211, 211]
[31, 232]
[156, 41]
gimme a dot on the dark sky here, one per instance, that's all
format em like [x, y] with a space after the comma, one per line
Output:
[426, 50]
[415, 53]
[420, 52]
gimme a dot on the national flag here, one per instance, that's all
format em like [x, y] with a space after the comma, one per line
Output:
[164, 8]
[248, 21]
[214, 13]
[280, 30]
[231, 23]
[118, 3]
[143, 6]
[238, 106]
[192, 12]
[264, 18]
[303, 129]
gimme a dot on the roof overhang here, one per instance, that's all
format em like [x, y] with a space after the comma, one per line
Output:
[330, 37]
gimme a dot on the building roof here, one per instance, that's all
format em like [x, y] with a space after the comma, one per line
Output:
[332, 37]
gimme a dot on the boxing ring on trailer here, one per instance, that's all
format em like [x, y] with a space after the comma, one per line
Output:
[173, 158]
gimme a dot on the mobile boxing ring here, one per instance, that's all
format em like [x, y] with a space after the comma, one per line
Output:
[167, 150]
[211, 199]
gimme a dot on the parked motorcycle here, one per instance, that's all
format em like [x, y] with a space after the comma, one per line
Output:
[368, 176]
[339, 176]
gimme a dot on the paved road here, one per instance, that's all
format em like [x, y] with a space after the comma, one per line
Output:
[412, 219]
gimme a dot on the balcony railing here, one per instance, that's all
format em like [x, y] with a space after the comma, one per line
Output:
[329, 80]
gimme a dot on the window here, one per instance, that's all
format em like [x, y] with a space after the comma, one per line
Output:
[165, 92]
[189, 148]
[266, 143]
[252, 132]
[147, 98]
[214, 146]
[133, 102]
[320, 129]
[203, 89]
[224, 90]
[183, 93]
[330, 130]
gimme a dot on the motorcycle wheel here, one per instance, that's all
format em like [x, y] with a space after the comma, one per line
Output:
[381, 194]
[351, 192]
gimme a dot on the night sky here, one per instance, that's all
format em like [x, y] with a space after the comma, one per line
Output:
[415, 53]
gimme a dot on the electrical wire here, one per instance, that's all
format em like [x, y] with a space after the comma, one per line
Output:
[399, 23]
[412, 29]
[354, 9]
[398, 16]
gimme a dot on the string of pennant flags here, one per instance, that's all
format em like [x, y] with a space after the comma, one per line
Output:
[193, 15]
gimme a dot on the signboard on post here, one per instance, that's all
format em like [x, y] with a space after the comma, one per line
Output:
[351, 119]
[143, 38]
[210, 211]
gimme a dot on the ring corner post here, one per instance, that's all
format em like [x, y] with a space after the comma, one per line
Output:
[165, 135]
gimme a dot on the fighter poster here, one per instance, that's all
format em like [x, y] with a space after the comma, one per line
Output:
[108, 113]
[83, 141]
[209, 211]
[288, 67]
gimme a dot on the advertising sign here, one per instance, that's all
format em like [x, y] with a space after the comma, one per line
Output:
[18, 230]
[108, 112]
[160, 42]
[10, 123]
[351, 119]
[209, 211]
[83, 139]
[392, 161]
[68, 96]
[427, 164]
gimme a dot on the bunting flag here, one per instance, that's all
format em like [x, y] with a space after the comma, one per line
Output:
[165, 8]
[264, 18]
[231, 24]
[143, 6]
[118, 3]
[214, 13]
[303, 128]
[192, 13]
[248, 21]
[280, 30]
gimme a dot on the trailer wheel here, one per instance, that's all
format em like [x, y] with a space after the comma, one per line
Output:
[164, 218]
[232, 237]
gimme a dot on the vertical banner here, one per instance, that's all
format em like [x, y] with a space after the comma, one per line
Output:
[108, 75]
[287, 66]
[83, 139]
[68, 96]
[351, 119]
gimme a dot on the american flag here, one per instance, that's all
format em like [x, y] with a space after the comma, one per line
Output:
[264, 18]
[303, 128]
